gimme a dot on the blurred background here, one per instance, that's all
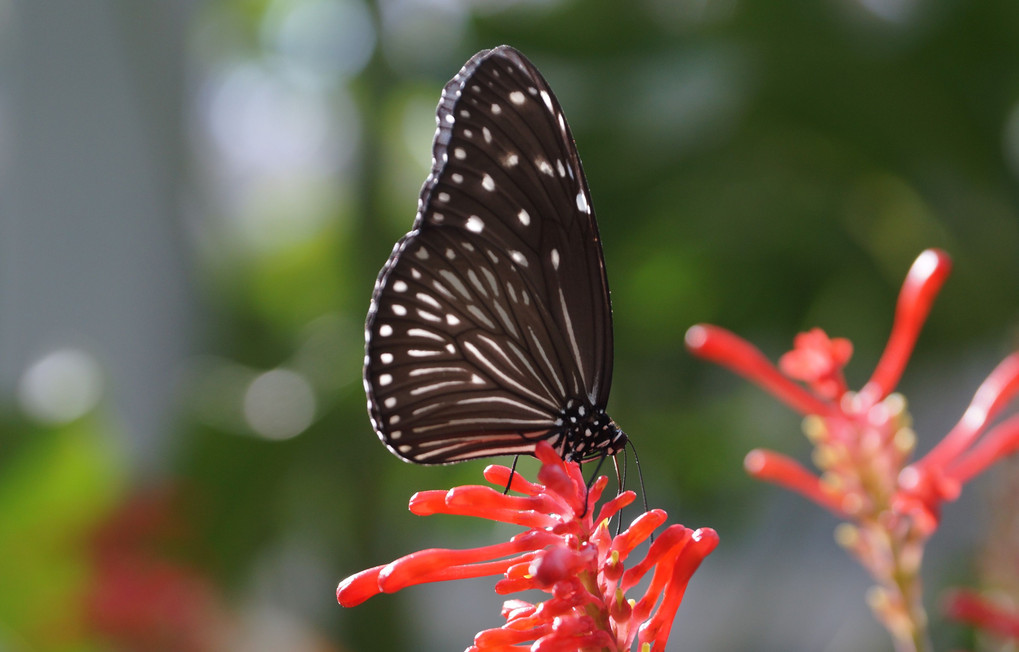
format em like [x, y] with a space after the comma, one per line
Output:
[196, 197]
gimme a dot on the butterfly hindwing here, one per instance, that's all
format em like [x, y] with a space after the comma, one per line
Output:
[492, 315]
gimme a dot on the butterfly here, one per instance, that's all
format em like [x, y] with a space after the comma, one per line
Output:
[490, 326]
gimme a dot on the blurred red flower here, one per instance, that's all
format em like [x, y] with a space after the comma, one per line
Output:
[864, 440]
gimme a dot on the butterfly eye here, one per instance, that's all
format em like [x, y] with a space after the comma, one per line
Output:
[490, 327]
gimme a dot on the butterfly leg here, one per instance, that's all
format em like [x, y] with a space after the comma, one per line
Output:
[513, 469]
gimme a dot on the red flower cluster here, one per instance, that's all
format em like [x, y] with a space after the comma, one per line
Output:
[864, 440]
[566, 551]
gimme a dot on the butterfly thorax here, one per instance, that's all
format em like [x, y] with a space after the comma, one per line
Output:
[585, 432]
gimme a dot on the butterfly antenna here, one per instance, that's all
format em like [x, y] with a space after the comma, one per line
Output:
[513, 469]
[640, 476]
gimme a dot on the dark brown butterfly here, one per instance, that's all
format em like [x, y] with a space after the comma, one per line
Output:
[490, 327]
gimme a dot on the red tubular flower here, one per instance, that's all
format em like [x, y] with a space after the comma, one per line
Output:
[923, 282]
[863, 442]
[982, 613]
[566, 551]
[779, 469]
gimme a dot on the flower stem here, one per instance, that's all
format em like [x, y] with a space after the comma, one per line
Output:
[897, 601]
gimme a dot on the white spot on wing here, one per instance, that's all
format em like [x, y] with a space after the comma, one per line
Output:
[476, 282]
[510, 160]
[492, 281]
[424, 371]
[442, 289]
[524, 217]
[385, 330]
[386, 358]
[460, 153]
[506, 319]
[457, 177]
[431, 388]
[427, 298]
[519, 258]
[475, 224]
[488, 183]
[422, 353]
[543, 166]
[385, 379]
[480, 316]
[496, 109]
[582, 204]
[560, 167]
[400, 286]
[443, 197]
[421, 253]
[517, 97]
[399, 310]
[425, 333]
[390, 402]
[456, 282]
[554, 257]
[487, 134]
[548, 100]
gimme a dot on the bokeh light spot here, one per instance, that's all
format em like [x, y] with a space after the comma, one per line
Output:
[60, 387]
[279, 404]
[328, 39]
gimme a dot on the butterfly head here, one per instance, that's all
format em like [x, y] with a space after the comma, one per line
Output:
[585, 432]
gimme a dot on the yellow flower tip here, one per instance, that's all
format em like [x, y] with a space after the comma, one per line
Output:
[852, 504]
[895, 403]
[619, 597]
[846, 535]
[614, 559]
[825, 457]
[814, 428]
[646, 647]
[633, 602]
[877, 599]
[832, 482]
[905, 440]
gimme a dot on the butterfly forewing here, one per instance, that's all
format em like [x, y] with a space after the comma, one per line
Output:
[492, 315]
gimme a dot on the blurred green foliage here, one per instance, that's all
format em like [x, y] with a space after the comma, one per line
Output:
[767, 167]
